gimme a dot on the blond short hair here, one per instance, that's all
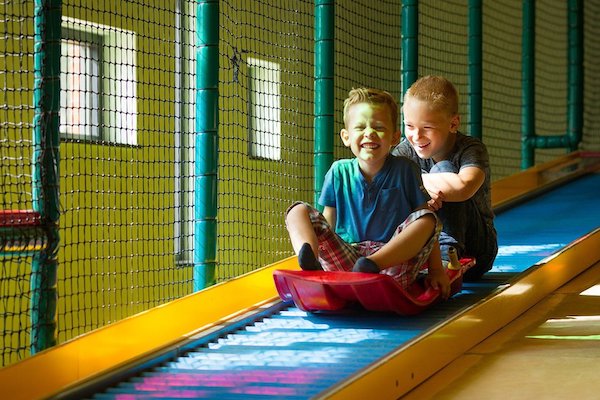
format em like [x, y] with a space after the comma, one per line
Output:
[437, 91]
[372, 96]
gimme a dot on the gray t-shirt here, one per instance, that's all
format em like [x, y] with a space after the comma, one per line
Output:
[467, 152]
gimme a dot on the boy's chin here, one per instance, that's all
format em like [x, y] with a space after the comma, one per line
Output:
[371, 159]
[423, 153]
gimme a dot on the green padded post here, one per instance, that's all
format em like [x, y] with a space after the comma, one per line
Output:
[575, 74]
[207, 144]
[45, 174]
[475, 69]
[324, 91]
[528, 85]
[410, 45]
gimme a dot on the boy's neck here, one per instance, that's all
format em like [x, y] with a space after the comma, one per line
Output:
[369, 171]
[447, 148]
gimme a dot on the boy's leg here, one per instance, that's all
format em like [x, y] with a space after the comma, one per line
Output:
[408, 250]
[307, 225]
[453, 217]
[302, 235]
[484, 249]
[466, 230]
[408, 240]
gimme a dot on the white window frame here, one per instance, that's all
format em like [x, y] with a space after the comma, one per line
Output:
[112, 117]
[264, 109]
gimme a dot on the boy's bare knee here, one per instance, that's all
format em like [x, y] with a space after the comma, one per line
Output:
[428, 220]
[297, 210]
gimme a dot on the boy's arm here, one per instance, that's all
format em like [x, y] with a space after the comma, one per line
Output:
[454, 187]
[330, 215]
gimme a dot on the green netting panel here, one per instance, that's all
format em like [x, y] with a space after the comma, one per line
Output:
[16, 150]
[126, 129]
[443, 50]
[367, 53]
[266, 128]
[502, 24]
[127, 126]
[591, 67]
[550, 73]
[16, 108]
[14, 308]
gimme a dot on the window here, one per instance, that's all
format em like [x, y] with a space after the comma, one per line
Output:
[80, 84]
[264, 108]
[98, 83]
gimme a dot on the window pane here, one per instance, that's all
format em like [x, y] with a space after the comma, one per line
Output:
[80, 89]
[264, 108]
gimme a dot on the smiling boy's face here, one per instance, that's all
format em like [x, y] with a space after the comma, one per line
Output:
[430, 132]
[369, 133]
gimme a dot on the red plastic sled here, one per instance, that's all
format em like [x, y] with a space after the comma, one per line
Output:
[335, 291]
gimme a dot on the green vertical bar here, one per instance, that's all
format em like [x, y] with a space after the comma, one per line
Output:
[207, 144]
[528, 85]
[324, 91]
[570, 140]
[475, 69]
[410, 45]
[575, 74]
[45, 174]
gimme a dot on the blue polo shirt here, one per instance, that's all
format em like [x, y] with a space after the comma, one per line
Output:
[372, 211]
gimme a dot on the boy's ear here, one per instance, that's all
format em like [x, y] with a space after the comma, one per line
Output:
[345, 137]
[455, 123]
[396, 138]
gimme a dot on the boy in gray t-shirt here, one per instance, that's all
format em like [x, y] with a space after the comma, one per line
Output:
[456, 171]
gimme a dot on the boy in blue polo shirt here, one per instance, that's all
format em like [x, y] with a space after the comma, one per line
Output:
[375, 217]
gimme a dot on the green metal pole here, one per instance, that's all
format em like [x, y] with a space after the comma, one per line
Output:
[410, 44]
[475, 69]
[45, 174]
[575, 74]
[207, 144]
[528, 85]
[570, 140]
[550, 141]
[324, 91]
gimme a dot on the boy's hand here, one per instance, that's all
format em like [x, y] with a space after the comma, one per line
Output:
[437, 279]
[437, 199]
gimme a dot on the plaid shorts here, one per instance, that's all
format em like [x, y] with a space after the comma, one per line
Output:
[337, 255]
